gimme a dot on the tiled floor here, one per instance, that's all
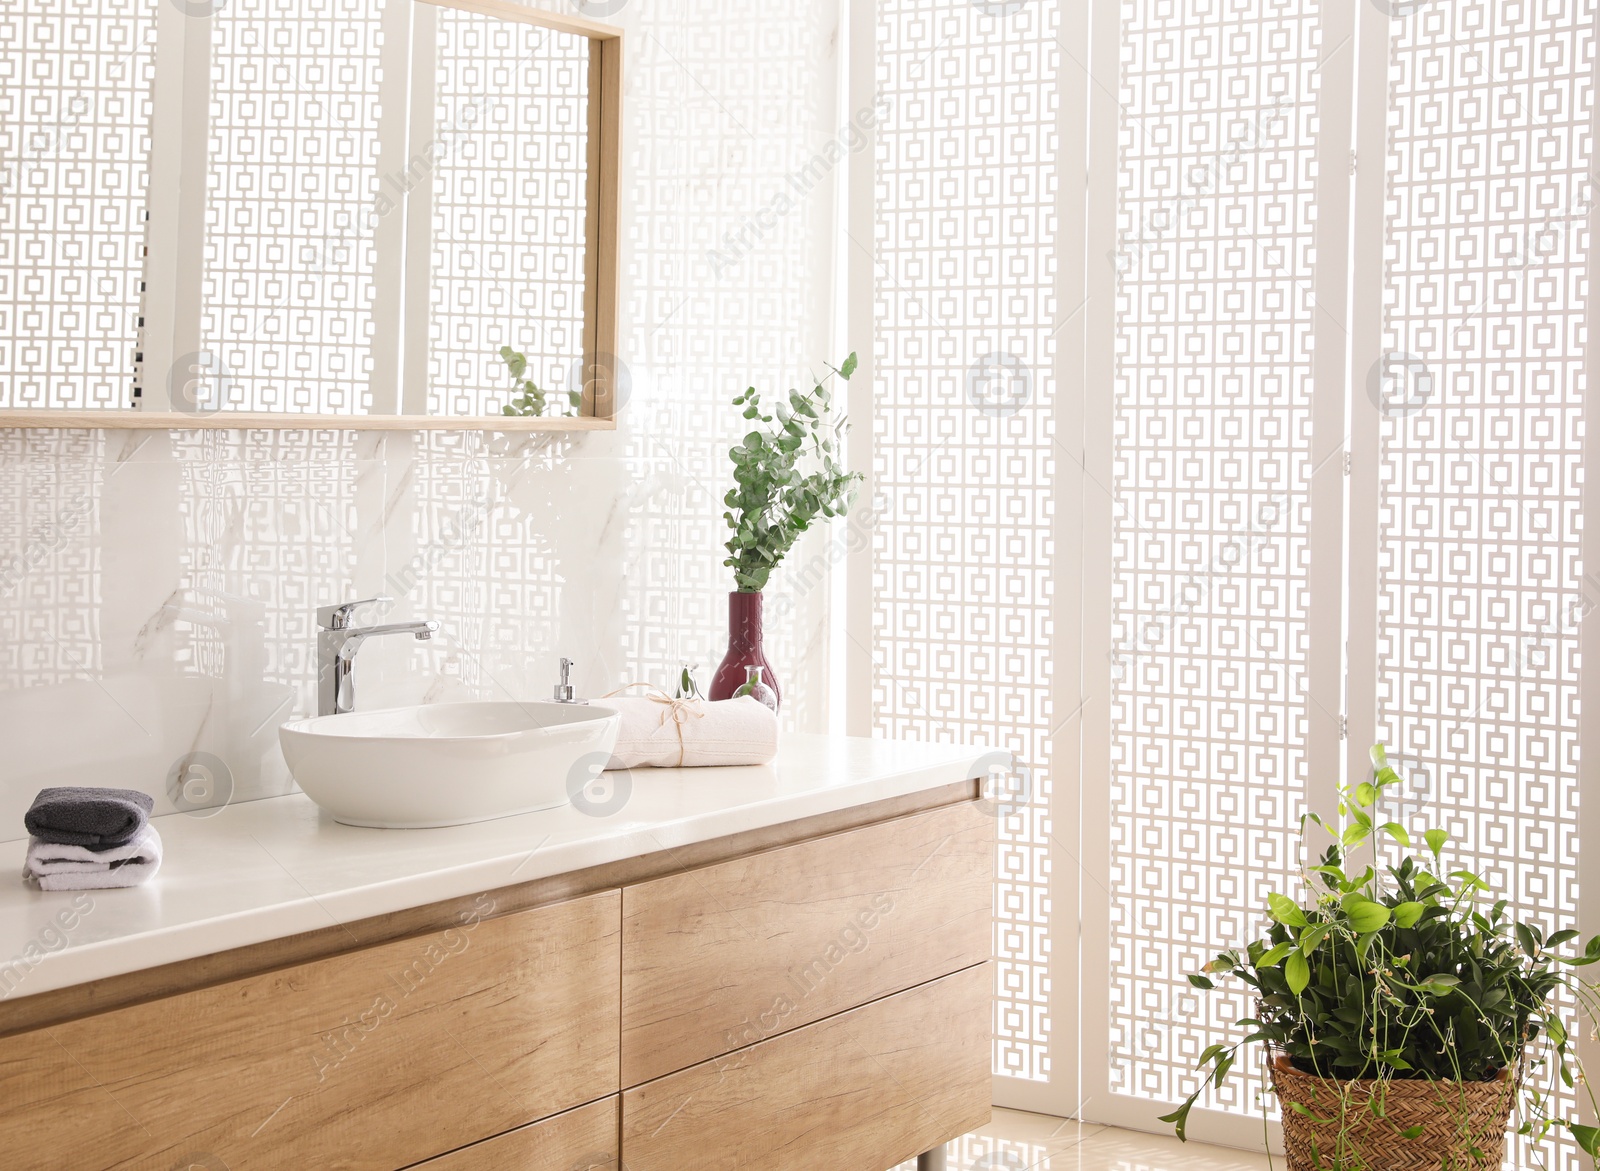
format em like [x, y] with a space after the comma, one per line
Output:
[1016, 1141]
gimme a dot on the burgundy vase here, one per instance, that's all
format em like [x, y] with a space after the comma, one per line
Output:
[744, 649]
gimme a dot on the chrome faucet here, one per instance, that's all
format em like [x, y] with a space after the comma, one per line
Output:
[337, 644]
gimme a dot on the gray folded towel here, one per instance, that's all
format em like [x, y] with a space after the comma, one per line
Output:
[98, 819]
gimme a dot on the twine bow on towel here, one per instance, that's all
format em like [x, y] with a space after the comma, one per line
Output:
[676, 711]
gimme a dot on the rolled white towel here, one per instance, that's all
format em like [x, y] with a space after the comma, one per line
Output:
[657, 731]
[57, 867]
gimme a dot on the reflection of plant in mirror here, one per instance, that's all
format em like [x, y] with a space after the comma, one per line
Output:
[777, 496]
[527, 398]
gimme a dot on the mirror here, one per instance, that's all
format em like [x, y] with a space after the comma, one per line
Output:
[400, 213]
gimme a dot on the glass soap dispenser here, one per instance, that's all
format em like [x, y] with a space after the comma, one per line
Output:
[754, 685]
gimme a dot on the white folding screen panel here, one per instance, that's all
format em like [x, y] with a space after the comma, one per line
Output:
[1466, 383]
[1273, 204]
[1219, 659]
[966, 464]
[1477, 400]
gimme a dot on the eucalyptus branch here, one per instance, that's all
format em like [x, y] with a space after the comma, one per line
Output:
[787, 472]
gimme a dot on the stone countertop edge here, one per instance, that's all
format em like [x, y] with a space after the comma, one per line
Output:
[276, 867]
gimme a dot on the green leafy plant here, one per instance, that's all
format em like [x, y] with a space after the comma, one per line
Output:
[1402, 970]
[786, 473]
[527, 398]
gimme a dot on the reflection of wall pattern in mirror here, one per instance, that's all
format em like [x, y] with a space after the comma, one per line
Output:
[962, 607]
[270, 516]
[486, 565]
[292, 177]
[50, 579]
[1480, 595]
[74, 151]
[509, 192]
[715, 131]
[1212, 464]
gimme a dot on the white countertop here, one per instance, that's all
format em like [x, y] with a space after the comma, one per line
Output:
[263, 870]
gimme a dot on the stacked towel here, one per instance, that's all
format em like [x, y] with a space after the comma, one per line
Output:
[61, 867]
[82, 816]
[659, 731]
[86, 838]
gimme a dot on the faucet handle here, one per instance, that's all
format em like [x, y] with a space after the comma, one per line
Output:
[338, 617]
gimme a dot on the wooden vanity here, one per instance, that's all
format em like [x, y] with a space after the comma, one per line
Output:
[812, 994]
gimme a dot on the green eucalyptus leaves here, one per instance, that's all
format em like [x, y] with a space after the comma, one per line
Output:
[786, 472]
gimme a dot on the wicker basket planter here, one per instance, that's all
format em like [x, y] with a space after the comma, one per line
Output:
[1456, 1118]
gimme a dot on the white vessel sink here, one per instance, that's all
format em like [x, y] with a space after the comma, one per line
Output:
[448, 763]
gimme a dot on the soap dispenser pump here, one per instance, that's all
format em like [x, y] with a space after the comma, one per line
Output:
[564, 692]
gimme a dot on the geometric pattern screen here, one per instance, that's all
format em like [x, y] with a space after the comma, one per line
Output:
[295, 113]
[1480, 588]
[963, 455]
[1211, 464]
[287, 285]
[1480, 400]
[74, 159]
[508, 209]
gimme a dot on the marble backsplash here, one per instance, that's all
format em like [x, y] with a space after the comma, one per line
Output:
[158, 591]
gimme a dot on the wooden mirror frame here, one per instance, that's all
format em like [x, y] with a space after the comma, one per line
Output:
[598, 409]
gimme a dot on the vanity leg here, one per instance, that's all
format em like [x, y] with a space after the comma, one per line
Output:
[932, 1160]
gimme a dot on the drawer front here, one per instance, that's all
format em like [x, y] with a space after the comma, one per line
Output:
[584, 1139]
[719, 958]
[373, 1059]
[861, 1091]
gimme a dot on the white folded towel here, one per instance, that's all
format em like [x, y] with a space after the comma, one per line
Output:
[57, 867]
[657, 731]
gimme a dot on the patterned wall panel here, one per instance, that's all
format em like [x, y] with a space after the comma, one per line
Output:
[492, 556]
[1480, 586]
[50, 571]
[75, 93]
[269, 531]
[508, 209]
[292, 182]
[1210, 506]
[963, 440]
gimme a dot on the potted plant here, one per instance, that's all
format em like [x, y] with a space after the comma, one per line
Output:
[1402, 1016]
[787, 472]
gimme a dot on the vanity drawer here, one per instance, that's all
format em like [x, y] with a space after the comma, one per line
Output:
[584, 1139]
[721, 957]
[371, 1059]
[861, 1091]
